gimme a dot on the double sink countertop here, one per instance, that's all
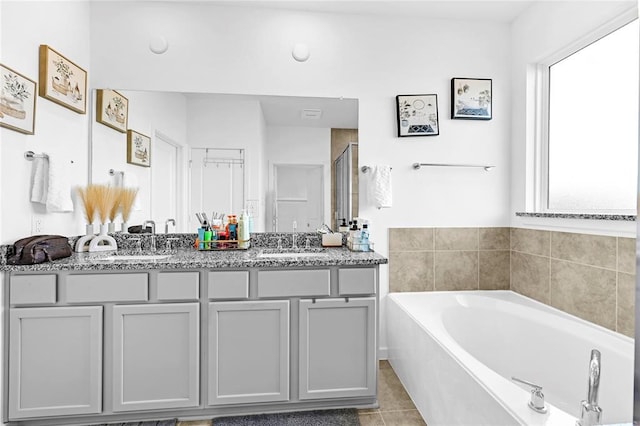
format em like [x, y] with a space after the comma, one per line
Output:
[255, 257]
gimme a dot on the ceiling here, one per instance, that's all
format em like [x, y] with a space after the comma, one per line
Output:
[337, 113]
[496, 11]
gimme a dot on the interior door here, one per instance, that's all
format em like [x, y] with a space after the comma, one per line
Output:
[217, 182]
[298, 197]
[164, 181]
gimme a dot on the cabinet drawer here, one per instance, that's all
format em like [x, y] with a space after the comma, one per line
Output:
[356, 281]
[229, 285]
[29, 289]
[107, 288]
[294, 283]
[178, 285]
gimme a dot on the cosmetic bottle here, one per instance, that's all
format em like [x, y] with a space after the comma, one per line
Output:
[343, 226]
[364, 237]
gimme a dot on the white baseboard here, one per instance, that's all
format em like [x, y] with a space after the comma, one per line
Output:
[383, 353]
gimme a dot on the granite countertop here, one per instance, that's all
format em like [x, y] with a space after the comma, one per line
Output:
[193, 259]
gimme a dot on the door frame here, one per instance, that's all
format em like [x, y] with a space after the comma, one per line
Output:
[181, 207]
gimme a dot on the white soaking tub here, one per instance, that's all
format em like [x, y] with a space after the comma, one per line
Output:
[455, 353]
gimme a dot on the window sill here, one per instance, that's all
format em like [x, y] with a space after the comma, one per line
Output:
[612, 217]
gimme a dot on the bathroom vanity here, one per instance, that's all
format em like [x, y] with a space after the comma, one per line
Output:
[98, 339]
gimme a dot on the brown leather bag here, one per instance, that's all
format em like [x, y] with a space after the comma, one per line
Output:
[38, 249]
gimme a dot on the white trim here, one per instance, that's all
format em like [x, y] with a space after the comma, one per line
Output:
[540, 196]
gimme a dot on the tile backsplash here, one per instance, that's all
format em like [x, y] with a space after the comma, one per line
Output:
[590, 276]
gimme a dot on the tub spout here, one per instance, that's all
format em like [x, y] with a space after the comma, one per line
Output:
[590, 411]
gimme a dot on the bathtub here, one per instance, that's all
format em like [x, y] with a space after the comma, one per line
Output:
[455, 353]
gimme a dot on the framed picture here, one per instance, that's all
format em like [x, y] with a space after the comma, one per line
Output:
[471, 98]
[17, 101]
[417, 115]
[62, 81]
[138, 149]
[112, 109]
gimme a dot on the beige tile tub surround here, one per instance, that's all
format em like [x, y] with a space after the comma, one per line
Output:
[590, 276]
[428, 259]
[585, 275]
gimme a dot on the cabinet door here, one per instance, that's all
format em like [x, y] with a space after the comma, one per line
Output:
[155, 356]
[248, 352]
[337, 348]
[55, 361]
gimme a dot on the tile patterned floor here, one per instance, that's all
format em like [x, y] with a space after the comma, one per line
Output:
[396, 407]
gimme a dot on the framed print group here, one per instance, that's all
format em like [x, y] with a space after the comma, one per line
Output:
[112, 109]
[138, 149]
[471, 98]
[17, 101]
[417, 115]
[62, 81]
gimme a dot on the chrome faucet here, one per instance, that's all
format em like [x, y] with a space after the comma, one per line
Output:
[590, 411]
[536, 403]
[149, 222]
[294, 245]
[166, 225]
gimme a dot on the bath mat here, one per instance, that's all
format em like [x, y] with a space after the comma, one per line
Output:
[347, 417]
[171, 422]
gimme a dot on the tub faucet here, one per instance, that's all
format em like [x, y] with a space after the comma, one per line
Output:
[536, 403]
[166, 225]
[149, 222]
[590, 411]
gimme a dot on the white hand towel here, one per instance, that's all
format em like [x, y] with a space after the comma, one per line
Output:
[39, 180]
[59, 185]
[380, 186]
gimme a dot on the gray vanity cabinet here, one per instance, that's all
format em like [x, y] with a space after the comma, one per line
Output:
[55, 361]
[155, 356]
[248, 352]
[337, 348]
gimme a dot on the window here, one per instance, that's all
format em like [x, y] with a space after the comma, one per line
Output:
[590, 126]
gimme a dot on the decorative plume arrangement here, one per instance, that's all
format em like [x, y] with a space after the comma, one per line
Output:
[104, 202]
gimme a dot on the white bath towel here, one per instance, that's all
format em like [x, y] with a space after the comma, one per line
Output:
[380, 186]
[39, 180]
[59, 185]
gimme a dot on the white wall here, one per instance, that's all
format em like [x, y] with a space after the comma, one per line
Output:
[371, 58]
[542, 30]
[232, 123]
[242, 50]
[298, 145]
[148, 112]
[58, 131]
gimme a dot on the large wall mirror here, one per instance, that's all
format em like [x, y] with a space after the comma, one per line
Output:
[275, 156]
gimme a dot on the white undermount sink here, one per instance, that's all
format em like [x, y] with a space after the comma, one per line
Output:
[136, 257]
[291, 254]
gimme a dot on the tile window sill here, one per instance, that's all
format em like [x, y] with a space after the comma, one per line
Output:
[612, 217]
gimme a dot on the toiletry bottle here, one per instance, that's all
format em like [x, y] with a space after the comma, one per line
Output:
[343, 226]
[241, 226]
[364, 237]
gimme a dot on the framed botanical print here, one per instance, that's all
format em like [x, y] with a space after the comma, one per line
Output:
[138, 149]
[417, 115]
[17, 101]
[62, 81]
[112, 109]
[471, 98]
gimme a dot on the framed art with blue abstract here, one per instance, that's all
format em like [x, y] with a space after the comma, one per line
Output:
[471, 98]
[417, 115]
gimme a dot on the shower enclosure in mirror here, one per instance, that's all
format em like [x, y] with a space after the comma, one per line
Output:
[221, 152]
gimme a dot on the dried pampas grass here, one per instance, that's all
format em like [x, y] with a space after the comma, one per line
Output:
[105, 199]
[115, 208]
[126, 199]
[88, 197]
